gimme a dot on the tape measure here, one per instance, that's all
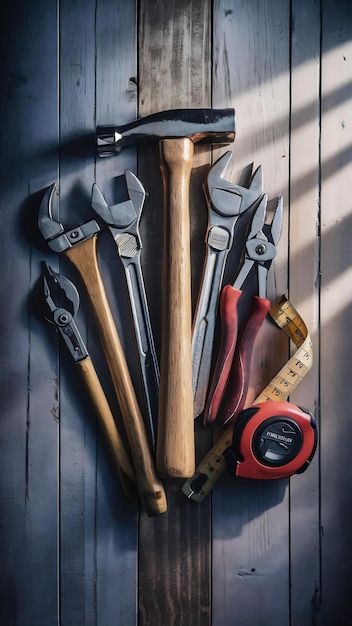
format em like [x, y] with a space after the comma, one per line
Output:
[277, 391]
[272, 440]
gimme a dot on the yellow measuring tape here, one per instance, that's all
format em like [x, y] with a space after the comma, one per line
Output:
[286, 380]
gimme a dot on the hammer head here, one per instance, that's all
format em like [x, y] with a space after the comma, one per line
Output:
[200, 125]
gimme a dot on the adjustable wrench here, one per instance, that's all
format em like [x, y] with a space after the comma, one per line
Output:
[226, 203]
[80, 246]
[123, 222]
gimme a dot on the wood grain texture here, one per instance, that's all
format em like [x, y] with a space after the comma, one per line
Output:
[115, 99]
[84, 258]
[175, 450]
[250, 519]
[174, 72]
[29, 365]
[335, 310]
[98, 527]
[304, 293]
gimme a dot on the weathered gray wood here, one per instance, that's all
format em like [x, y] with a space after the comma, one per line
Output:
[304, 293]
[251, 519]
[335, 310]
[174, 72]
[252, 553]
[29, 388]
[78, 431]
[116, 102]
[98, 526]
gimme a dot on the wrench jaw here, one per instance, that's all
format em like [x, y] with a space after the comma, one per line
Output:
[226, 198]
[53, 231]
[125, 214]
[123, 218]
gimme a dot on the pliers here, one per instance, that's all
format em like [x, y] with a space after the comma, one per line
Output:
[229, 385]
[61, 305]
[123, 221]
[226, 203]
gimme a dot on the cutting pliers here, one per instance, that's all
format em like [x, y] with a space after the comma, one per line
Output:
[61, 306]
[229, 384]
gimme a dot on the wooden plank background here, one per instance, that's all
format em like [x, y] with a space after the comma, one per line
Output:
[73, 550]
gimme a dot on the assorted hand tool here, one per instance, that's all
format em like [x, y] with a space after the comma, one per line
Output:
[270, 439]
[176, 133]
[226, 202]
[275, 395]
[80, 246]
[229, 385]
[62, 303]
[123, 222]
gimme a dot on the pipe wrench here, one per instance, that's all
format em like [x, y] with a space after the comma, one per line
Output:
[226, 203]
[123, 221]
[230, 380]
[80, 246]
[62, 303]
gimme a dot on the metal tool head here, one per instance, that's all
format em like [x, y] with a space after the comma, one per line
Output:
[62, 302]
[200, 125]
[227, 198]
[273, 231]
[125, 213]
[52, 229]
[48, 217]
[59, 293]
[262, 239]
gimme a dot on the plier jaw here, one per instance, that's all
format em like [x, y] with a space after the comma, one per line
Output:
[260, 246]
[62, 302]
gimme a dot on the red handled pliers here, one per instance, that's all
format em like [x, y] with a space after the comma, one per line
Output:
[229, 384]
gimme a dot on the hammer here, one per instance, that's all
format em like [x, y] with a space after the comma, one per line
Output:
[176, 132]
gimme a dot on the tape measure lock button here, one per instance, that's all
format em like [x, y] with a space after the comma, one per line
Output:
[272, 440]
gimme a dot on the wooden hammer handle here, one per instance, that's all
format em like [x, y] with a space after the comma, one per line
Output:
[97, 396]
[175, 454]
[84, 257]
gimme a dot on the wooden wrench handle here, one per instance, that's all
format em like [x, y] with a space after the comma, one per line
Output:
[97, 396]
[84, 258]
[175, 455]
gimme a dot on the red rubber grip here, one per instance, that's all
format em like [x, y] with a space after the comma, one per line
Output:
[229, 298]
[238, 380]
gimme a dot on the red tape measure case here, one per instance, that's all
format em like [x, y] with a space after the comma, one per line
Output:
[272, 440]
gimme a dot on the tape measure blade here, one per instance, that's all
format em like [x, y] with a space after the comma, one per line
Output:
[211, 466]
